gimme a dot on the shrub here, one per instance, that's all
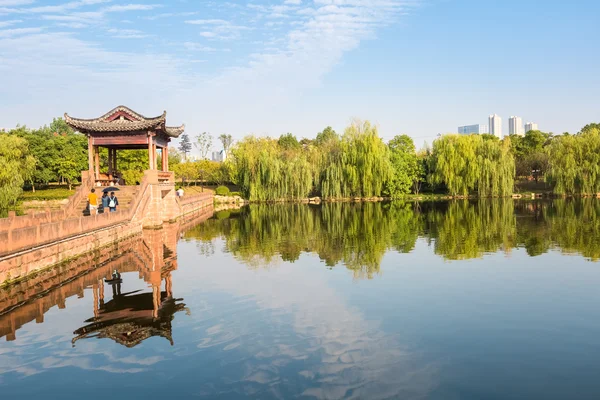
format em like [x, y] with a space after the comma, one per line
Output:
[222, 191]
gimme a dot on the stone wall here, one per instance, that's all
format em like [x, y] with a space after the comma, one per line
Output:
[31, 243]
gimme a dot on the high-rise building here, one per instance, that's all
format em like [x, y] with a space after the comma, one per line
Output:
[469, 129]
[495, 123]
[515, 126]
[218, 156]
[530, 126]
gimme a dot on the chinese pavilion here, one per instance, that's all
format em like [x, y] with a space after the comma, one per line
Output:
[123, 129]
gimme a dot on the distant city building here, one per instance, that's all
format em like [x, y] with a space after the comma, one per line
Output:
[218, 156]
[530, 126]
[470, 129]
[495, 123]
[515, 126]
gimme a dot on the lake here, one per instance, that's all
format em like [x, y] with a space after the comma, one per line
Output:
[492, 299]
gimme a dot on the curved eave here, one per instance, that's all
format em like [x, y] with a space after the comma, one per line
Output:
[114, 126]
[174, 131]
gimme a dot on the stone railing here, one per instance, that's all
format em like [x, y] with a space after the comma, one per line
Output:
[17, 239]
[27, 232]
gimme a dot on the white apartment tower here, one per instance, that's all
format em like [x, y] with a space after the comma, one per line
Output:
[495, 124]
[530, 126]
[515, 126]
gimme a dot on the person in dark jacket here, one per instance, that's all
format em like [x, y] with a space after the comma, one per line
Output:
[105, 200]
[113, 202]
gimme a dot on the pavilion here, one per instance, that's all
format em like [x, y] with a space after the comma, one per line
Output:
[123, 129]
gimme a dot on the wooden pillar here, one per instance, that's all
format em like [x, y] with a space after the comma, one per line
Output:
[150, 145]
[154, 160]
[110, 161]
[97, 160]
[90, 153]
[166, 163]
[115, 160]
[162, 158]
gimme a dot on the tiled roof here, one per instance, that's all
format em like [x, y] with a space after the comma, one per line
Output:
[123, 119]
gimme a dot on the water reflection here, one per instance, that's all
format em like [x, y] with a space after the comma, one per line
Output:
[358, 235]
[425, 329]
[127, 317]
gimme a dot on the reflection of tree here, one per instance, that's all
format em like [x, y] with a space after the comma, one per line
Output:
[358, 235]
[467, 230]
[574, 226]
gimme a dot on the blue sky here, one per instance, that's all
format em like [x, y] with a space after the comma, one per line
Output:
[266, 67]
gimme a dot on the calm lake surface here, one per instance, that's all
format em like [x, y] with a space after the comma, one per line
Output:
[455, 300]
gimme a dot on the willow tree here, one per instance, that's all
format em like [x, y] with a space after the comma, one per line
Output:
[473, 163]
[17, 167]
[574, 162]
[265, 171]
[357, 165]
[454, 163]
[496, 167]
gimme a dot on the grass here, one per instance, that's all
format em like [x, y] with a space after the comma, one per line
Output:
[57, 193]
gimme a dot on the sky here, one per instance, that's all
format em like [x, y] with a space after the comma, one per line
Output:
[267, 67]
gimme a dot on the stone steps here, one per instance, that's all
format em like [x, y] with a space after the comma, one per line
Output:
[125, 196]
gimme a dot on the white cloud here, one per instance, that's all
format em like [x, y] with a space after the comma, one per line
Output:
[207, 22]
[7, 33]
[219, 28]
[294, 2]
[127, 33]
[132, 7]
[197, 47]
[12, 3]
[4, 24]
[65, 6]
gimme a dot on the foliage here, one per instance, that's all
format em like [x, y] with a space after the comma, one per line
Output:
[203, 144]
[288, 142]
[326, 135]
[406, 167]
[574, 162]
[222, 191]
[18, 166]
[357, 165]
[185, 145]
[186, 171]
[465, 163]
[265, 172]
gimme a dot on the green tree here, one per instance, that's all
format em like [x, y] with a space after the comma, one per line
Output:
[185, 145]
[574, 163]
[288, 142]
[405, 165]
[17, 167]
[326, 135]
[357, 165]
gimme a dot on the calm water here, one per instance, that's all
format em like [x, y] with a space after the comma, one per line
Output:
[489, 300]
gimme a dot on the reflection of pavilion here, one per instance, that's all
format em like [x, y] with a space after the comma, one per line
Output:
[130, 318]
[152, 255]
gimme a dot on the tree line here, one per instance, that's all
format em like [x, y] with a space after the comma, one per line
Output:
[356, 163]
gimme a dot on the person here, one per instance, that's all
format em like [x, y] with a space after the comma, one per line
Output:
[105, 200]
[180, 192]
[93, 202]
[113, 202]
